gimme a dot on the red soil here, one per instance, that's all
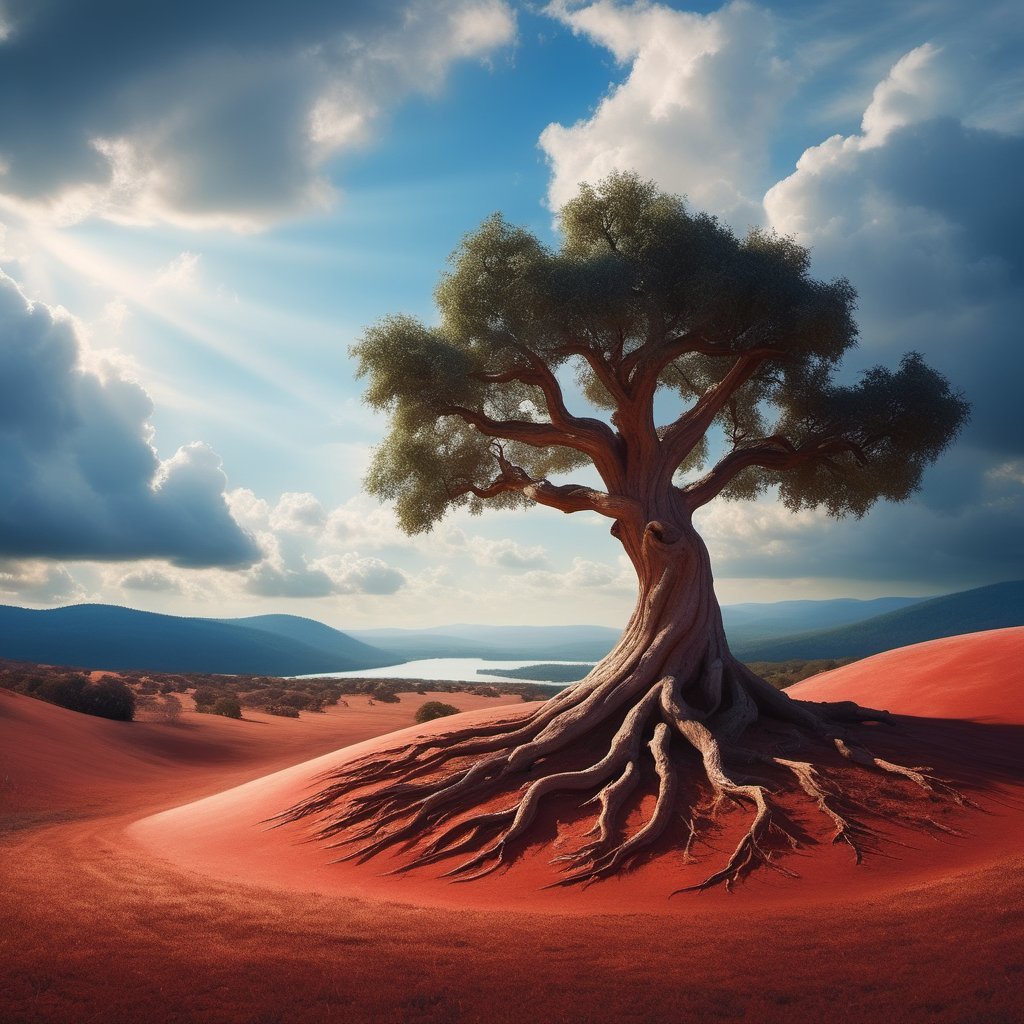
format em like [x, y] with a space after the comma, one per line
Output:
[115, 911]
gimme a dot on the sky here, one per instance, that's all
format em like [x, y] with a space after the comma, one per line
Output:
[203, 205]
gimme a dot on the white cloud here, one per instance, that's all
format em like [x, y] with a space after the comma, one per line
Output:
[696, 112]
[211, 114]
[79, 477]
[354, 574]
[584, 578]
[298, 513]
[180, 273]
[154, 579]
[506, 553]
[38, 582]
[362, 522]
[301, 556]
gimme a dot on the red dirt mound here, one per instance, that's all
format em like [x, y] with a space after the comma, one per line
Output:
[973, 735]
[109, 917]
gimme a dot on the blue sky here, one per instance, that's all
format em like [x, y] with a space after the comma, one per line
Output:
[202, 206]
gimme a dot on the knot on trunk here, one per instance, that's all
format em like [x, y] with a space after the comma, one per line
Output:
[662, 533]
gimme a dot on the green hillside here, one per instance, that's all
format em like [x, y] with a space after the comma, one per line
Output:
[970, 611]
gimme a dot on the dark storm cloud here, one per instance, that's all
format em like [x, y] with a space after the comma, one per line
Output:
[926, 220]
[929, 227]
[213, 100]
[78, 476]
[969, 176]
[979, 541]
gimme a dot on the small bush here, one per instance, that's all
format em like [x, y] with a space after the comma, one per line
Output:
[205, 696]
[385, 693]
[229, 707]
[64, 691]
[282, 710]
[170, 708]
[108, 698]
[434, 709]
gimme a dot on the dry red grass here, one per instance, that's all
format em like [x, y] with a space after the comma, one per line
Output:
[114, 911]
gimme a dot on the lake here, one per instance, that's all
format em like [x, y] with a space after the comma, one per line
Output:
[445, 670]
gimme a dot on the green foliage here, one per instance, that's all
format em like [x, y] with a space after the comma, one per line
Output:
[899, 421]
[636, 273]
[65, 690]
[205, 696]
[785, 673]
[434, 709]
[109, 698]
[106, 698]
[555, 673]
[229, 707]
[282, 710]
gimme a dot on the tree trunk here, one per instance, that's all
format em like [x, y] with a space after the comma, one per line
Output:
[676, 627]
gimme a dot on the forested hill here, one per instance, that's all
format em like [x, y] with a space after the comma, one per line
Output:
[969, 611]
[105, 636]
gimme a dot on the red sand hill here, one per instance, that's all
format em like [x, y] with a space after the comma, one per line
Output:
[134, 894]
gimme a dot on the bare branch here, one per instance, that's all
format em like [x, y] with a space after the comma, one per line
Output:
[565, 497]
[679, 439]
[776, 453]
[592, 435]
[577, 498]
[538, 435]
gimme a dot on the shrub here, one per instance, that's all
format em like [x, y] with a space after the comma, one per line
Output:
[282, 710]
[170, 708]
[64, 691]
[108, 698]
[205, 696]
[434, 709]
[229, 707]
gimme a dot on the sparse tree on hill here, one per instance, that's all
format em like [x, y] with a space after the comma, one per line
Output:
[434, 709]
[650, 307]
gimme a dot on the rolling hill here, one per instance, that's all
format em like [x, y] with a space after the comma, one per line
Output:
[108, 637]
[105, 636]
[970, 611]
[747, 623]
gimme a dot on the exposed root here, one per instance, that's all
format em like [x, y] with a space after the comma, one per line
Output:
[919, 776]
[473, 796]
[825, 797]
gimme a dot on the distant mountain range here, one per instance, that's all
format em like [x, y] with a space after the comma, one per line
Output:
[109, 637]
[750, 623]
[969, 611]
[550, 643]
[105, 636]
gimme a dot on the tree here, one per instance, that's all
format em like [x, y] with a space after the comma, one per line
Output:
[228, 706]
[643, 300]
[434, 709]
[109, 698]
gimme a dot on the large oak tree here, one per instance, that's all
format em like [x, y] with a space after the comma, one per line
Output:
[649, 307]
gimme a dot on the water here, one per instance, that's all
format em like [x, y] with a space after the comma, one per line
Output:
[445, 670]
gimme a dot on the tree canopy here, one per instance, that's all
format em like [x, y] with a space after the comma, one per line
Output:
[651, 308]
[642, 297]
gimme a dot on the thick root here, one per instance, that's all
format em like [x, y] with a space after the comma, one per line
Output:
[435, 798]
